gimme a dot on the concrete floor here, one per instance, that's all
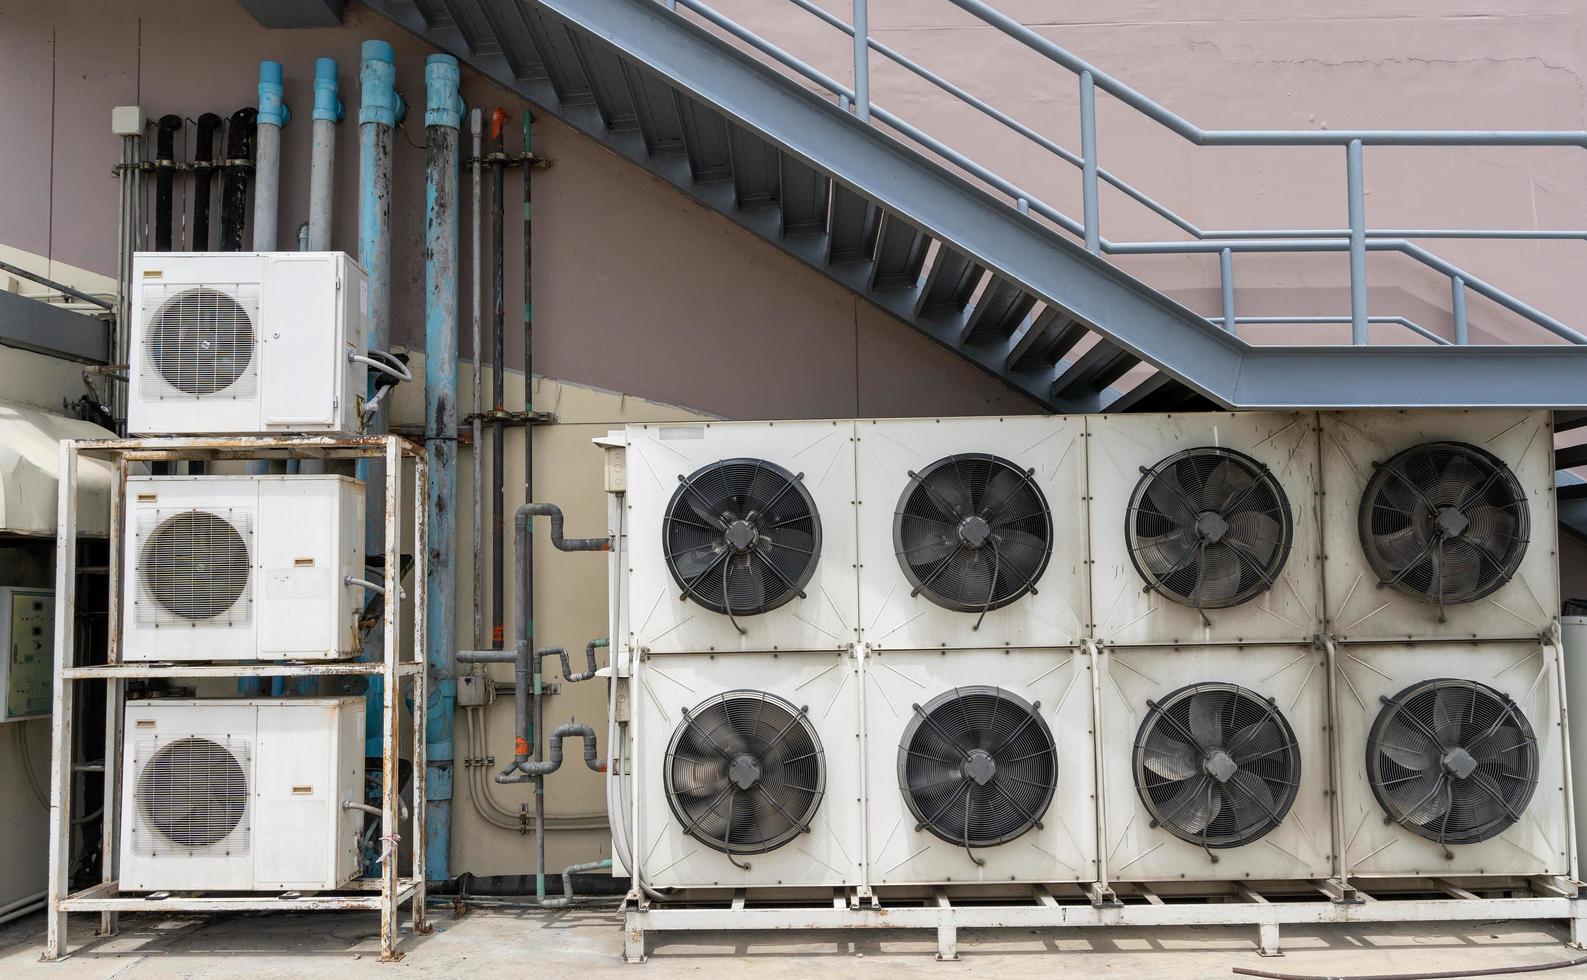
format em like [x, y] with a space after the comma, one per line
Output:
[587, 943]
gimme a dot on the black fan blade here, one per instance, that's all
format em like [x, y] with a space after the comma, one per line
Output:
[1492, 529]
[1227, 481]
[1171, 758]
[1221, 573]
[952, 490]
[1206, 719]
[1456, 571]
[1165, 553]
[1494, 747]
[968, 578]
[1397, 549]
[747, 584]
[1450, 706]
[1257, 533]
[1250, 795]
[1021, 553]
[1420, 798]
[1457, 480]
[1409, 747]
[700, 780]
[1004, 486]
[1166, 495]
[925, 542]
[1260, 740]
[692, 563]
[1194, 806]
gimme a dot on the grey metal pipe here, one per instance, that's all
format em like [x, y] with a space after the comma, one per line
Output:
[526, 770]
[1088, 156]
[567, 667]
[1457, 298]
[557, 540]
[322, 165]
[273, 114]
[1356, 194]
[567, 882]
[498, 395]
[862, 61]
[1226, 287]
[475, 425]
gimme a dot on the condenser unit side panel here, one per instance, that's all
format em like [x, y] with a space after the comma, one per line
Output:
[302, 358]
[1282, 602]
[302, 778]
[1361, 606]
[301, 570]
[927, 583]
[1139, 847]
[1537, 843]
[352, 332]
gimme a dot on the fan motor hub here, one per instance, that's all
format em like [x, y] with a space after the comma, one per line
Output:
[741, 535]
[974, 531]
[1211, 526]
[1459, 763]
[1451, 522]
[979, 766]
[744, 771]
[1220, 765]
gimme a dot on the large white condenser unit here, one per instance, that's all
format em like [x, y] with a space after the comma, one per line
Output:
[247, 342]
[241, 795]
[242, 567]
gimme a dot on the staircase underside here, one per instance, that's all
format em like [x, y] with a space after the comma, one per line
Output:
[1006, 292]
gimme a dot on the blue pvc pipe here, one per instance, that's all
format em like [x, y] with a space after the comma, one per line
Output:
[273, 109]
[326, 104]
[443, 115]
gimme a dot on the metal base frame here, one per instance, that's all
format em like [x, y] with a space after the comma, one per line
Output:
[1040, 909]
[385, 894]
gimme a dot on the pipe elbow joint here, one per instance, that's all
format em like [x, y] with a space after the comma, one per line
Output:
[326, 104]
[273, 109]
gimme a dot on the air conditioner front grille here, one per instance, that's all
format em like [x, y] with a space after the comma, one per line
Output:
[200, 340]
[192, 795]
[194, 567]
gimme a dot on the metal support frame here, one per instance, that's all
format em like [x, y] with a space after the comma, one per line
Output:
[1246, 906]
[385, 894]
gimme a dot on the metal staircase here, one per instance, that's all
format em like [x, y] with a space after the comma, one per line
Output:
[957, 252]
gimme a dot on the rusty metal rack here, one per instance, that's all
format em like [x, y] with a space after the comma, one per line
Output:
[385, 894]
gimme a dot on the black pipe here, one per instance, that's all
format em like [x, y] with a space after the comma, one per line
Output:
[164, 171]
[498, 430]
[203, 170]
[239, 165]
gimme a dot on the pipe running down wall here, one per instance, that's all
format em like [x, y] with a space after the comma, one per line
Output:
[273, 114]
[322, 166]
[442, 118]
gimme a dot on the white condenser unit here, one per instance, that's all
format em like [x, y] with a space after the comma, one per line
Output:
[741, 536]
[1439, 524]
[979, 767]
[241, 795]
[247, 342]
[1454, 760]
[971, 532]
[1216, 763]
[1204, 528]
[747, 770]
[242, 567]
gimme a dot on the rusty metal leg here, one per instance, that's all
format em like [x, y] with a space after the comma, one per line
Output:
[633, 935]
[389, 825]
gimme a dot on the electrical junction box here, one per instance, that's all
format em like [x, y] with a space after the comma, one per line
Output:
[27, 637]
[126, 120]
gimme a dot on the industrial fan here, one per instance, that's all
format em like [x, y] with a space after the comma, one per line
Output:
[977, 766]
[745, 772]
[1208, 528]
[1452, 760]
[1216, 765]
[1445, 522]
[972, 532]
[741, 536]
[195, 565]
[192, 793]
[201, 341]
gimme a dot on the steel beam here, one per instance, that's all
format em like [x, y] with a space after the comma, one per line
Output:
[45, 329]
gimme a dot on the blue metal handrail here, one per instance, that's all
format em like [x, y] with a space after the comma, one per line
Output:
[1357, 239]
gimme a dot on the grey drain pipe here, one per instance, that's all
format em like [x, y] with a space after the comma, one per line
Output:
[527, 763]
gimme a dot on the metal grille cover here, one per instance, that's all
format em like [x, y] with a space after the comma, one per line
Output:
[745, 772]
[977, 766]
[201, 339]
[192, 795]
[1445, 522]
[1452, 760]
[194, 567]
[1216, 765]
[1209, 528]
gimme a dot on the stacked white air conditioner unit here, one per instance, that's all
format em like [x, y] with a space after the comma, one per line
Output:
[742, 616]
[977, 692]
[247, 342]
[241, 795]
[1439, 530]
[234, 568]
[1206, 596]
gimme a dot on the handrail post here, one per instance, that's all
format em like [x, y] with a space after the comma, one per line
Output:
[1226, 284]
[1088, 153]
[1457, 300]
[1359, 334]
[862, 62]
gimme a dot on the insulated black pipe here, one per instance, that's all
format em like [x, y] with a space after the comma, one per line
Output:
[164, 170]
[234, 190]
[203, 170]
[498, 430]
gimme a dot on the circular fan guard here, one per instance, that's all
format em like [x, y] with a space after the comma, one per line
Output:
[745, 772]
[972, 532]
[201, 341]
[1208, 528]
[1452, 760]
[741, 536]
[193, 792]
[1216, 765]
[195, 564]
[1445, 522]
[977, 766]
